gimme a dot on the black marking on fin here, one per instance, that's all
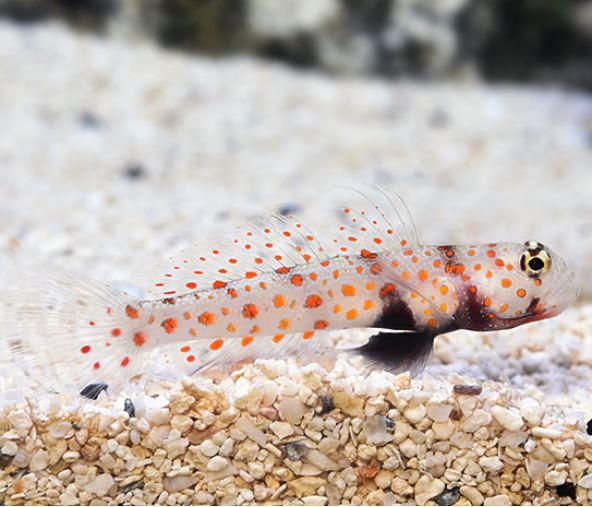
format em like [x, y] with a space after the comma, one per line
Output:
[92, 391]
[398, 352]
[396, 315]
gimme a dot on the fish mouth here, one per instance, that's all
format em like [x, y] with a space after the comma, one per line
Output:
[549, 305]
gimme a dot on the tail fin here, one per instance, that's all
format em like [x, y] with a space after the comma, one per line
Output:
[69, 332]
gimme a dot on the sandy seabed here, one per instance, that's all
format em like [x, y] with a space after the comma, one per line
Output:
[113, 156]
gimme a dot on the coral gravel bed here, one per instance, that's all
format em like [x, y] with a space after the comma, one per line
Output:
[117, 155]
[277, 432]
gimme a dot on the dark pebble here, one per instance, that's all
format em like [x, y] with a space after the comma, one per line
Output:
[92, 391]
[139, 484]
[439, 119]
[589, 427]
[295, 451]
[390, 424]
[135, 172]
[467, 390]
[448, 497]
[326, 404]
[128, 406]
[89, 119]
[5, 460]
[76, 427]
[455, 415]
[288, 209]
[567, 489]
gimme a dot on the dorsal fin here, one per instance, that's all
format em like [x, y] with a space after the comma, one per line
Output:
[373, 220]
[257, 247]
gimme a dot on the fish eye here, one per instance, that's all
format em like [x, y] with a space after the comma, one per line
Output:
[536, 264]
[535, 261]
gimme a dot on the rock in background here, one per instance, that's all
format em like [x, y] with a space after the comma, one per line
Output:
[525, 40]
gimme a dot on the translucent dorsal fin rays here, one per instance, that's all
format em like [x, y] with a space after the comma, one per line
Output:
[305, 236]
[308, 232]
[410, 229]
[257, 248]
[367, 221]
[379, 222]
[362, 229]
[413, 232]
[377, 208]
[256, 228]
[232, 274]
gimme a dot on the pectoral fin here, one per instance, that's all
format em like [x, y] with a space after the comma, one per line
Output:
[398, 352]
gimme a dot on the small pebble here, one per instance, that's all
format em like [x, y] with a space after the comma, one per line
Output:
[439, 118]
[135, 172]
[448, 497]
[92, 391]
[281, 429]
[589, 427]
[139, 484]
[288, 209]
[295, 451]
[586, 481]
[466, 390]
[89, 119]
[498, 500]
[507, 418]
[5, 460]
[208, 448]
[217, 463]
[128, 406]
[327, 404]
[100, 485]
[567, 489]
[9, 448]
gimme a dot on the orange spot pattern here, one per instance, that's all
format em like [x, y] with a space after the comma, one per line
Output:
[139, 339]
[250, 311]
[348, 290]
[321, 324]
[217, 344]
[131, 312]
[169, 325]
[207, 318]
[313, 301]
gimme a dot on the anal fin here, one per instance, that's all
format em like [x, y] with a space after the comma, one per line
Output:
[398, 352]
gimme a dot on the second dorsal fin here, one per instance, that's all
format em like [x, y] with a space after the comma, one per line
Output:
[258, 247]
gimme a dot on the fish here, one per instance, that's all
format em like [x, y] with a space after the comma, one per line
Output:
[273, 288]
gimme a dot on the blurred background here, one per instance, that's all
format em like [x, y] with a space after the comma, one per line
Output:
[502, 40]
[133, 128]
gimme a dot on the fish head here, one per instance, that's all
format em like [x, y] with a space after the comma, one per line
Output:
[505, 285]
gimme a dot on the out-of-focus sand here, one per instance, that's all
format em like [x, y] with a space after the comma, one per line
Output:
[113, 156]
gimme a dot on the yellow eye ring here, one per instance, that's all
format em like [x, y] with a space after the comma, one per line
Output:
[535, 261]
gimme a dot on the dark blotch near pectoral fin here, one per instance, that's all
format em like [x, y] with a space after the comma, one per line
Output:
[398, 352]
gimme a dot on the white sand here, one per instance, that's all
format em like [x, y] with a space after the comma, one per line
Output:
[219, 142]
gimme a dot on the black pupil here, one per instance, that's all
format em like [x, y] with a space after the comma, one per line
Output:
[536, 264]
